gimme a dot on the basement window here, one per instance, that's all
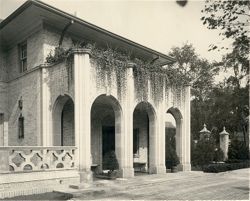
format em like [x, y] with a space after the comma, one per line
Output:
[21, 127]
[23, 56]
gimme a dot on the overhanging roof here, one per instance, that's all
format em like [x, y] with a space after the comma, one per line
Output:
[33, 11]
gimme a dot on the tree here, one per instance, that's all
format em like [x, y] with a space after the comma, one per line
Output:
[200, 74]
[232, 18]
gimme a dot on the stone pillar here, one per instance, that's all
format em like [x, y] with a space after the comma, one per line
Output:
[160, 141]
[82, 113]
[4, 160]
[224, 142]
[127, 169]
[46, 111]
[185, 136]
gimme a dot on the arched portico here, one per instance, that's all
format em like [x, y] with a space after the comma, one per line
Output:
[63, 122]
[144, 137]
[106, 128]
[175, 112]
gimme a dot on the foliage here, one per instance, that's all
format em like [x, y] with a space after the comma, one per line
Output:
[172, 159]
[238, 150]
[110, 161]
[223, 167]
[111, 62]
[197, 71]
[59, 55]
[203, 153]
[218, 155]
[232, 18]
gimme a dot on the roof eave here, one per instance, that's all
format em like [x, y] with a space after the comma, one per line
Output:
[80, 21]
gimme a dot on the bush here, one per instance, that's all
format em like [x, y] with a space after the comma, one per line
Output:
[223, 167]
[203, 154]
[218, 155]
[238, 150]
[110, 161]
[172, 159]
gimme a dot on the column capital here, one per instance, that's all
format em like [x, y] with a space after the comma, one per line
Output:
[131, 65]
[80, 51]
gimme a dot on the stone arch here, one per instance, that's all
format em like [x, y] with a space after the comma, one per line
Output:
[106, 123]
[63, 121]
[144, 123]
[176, 113]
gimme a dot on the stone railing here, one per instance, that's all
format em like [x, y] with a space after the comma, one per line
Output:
[26, 158]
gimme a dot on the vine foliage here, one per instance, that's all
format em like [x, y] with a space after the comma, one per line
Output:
[112, 63]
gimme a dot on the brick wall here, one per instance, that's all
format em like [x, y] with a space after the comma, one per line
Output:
[68, 124]
[34, 55]
[27, 87]
[3, 67]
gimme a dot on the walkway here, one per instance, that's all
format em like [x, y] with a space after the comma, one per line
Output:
[232, 185]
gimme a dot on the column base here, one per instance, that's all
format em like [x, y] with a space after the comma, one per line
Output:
[86, 176]
[157, 170]
[184, 167]
[126, 172]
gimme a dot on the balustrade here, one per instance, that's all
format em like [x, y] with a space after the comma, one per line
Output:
[22, 159]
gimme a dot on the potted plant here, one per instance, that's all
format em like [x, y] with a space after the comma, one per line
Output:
[110, 163]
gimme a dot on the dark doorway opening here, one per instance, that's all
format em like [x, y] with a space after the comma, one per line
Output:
[108, 140]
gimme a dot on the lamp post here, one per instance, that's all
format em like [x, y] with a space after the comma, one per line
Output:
[204, 133]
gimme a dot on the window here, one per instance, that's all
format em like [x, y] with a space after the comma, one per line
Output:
[23, 57]
[136, 141]
[21, 127]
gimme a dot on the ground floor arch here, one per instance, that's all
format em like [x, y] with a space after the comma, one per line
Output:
[173, 135]
[144, 131]
[63, 122]
[106, 115]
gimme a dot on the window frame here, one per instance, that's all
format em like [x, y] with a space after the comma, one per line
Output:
[21, 127]
[23, 56]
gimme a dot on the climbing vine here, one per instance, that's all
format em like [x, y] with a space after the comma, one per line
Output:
[109, 62]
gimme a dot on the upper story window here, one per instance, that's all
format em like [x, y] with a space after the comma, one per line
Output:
[23, 56]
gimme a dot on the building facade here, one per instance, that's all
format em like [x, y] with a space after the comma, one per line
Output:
[74, 100]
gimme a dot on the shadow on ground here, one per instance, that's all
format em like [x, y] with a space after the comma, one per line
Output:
[43, 196]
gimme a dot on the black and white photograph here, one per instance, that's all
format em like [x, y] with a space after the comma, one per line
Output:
[124, 100]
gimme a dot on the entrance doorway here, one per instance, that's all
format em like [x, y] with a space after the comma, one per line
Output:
[108, 139]
[105, 129]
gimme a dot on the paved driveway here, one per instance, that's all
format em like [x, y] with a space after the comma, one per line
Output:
[233, 185]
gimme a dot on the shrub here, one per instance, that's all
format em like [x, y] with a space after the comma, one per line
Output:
[172, 159]
[218, 155]
[223, 167]
[203, 154]
[238, 150]
[110, 161]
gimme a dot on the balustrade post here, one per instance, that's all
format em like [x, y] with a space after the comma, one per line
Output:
[4, 160]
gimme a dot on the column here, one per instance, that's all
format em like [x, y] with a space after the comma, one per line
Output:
[46, 112]
[82, 113]
[160, 141]
[185, 136]
[127, 136]
[224, 142]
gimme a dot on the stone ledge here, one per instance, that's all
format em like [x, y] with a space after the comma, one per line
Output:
[28, 183]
